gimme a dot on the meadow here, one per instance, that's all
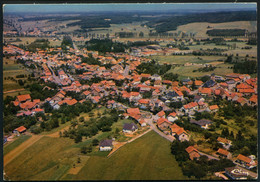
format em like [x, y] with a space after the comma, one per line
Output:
[12, 69]
[10, 146]
[201, 28]
[146, 158]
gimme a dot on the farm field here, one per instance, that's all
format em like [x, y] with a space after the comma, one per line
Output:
[147, 158]
[10, 146]
[54, 158]
[187, 71]
[176, 59]
[29, 40]
[12, 69]
[201, 28]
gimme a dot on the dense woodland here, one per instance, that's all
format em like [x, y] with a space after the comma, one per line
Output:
[165, 24]
[226, 32]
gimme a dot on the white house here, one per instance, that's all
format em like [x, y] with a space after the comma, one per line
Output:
[106, 145]
[172, 117]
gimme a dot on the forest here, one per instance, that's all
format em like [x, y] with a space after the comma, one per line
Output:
[226, 32]
[164, 24]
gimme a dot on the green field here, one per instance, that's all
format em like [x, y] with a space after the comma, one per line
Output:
[176, 59]
[187, 71]
[10, 146]
[12, 69]
[29, 40]
[200, 28]
[146, 158]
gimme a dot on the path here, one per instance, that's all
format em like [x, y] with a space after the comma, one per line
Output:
[17, 90]
[118, 146]
[209, 156]
[18, 150]
[154, 127]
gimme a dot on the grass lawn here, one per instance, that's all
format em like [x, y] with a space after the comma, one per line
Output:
[147, 158]
[10, 146]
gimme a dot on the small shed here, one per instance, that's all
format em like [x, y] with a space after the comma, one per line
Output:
[19, 130]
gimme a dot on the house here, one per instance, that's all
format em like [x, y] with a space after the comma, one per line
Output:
[133, 111]
[239, 173]
[193, 153]
[225, 142]
[205, 91]
[203, 123]
[129, 128]
[172, 117]
[19, 130]
[163, 123]
[224, 153]
[179, 133]
[213, 108]
[106, 145]
[23, 98]
[209, 83]
[190, 107]
[160, 114]
[142, 122]
[253, 100]
[245, 161]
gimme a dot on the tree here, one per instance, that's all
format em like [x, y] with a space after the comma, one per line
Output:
[95, 142]
[79, 160]
[78, 138]
[81, 119]
[83, 150]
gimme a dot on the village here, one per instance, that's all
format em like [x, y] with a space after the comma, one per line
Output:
[144, 98]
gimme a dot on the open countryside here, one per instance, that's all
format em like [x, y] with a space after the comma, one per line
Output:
[130, 95]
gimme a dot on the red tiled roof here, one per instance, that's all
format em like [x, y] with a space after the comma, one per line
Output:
[20, 129]
[198, 82]
[172, 114]
[213, 107]
[223, 140]
[71, 102]
[161, 113]
[25, 97]
[190, 149]
[223, 152]
[247, 90]
[144, 101]
[162, 120]
[253, 98]
[243, 86]
[133, 110]
[86, 92]
[243, 158]
[205, 91]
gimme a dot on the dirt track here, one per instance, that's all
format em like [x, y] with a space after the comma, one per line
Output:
[18, 150]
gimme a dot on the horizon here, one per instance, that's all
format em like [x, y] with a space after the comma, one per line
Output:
[136, 7]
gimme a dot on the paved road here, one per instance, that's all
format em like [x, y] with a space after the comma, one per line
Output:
[154, 128]
[56, 78]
